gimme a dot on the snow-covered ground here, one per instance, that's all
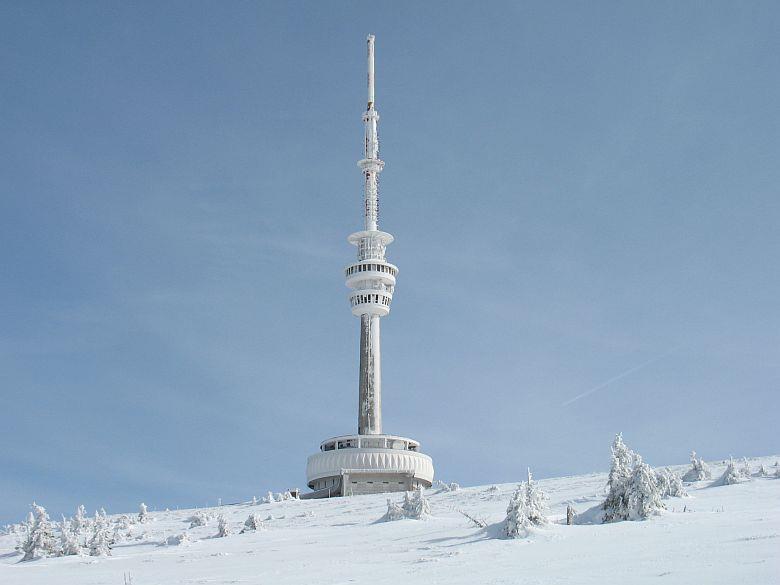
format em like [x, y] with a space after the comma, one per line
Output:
[728, 534]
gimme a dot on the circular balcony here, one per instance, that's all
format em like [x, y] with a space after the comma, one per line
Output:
[376, 271]
[370, 302]
[382, 455]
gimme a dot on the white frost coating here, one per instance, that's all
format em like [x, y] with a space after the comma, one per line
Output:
[331, 463]
[370, 43]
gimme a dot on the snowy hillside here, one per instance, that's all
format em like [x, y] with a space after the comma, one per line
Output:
[723, 534]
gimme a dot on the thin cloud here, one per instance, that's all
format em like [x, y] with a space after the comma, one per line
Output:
[621, 376]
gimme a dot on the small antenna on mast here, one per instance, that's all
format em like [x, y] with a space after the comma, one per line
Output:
[370, 41]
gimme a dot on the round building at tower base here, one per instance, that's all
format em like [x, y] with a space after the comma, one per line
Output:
[367, 464]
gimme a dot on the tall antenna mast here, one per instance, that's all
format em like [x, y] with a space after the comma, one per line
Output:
[369, 461]
[371, 164]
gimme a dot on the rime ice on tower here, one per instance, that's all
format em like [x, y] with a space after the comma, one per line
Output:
[369, 462]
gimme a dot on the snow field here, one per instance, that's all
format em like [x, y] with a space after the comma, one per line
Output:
[727, 534]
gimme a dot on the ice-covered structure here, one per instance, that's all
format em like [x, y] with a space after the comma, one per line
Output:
[369, 461]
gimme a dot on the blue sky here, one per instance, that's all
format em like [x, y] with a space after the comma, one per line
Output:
[576, 190]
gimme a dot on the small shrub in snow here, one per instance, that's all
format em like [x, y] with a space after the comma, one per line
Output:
[199, 518]
[223, 528]
[178, 539]
[762, 472]
[143, 514]
[394, 511]
[416, 505]
[699, 470]
[525, 510]
[40, 538]
[446, 487]
[252, 523]
[730, 476]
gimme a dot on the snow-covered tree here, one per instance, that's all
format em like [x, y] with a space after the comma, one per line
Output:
[616, 504]
[70, 540]
[669, 483]
[254, 522]
[79, 522]
[642, 491]
[199, 518]
[40, 537]
[223, 528]
[526, 509]
[23, 530]
[394, 511]
[254, 500]
[123, 528]
[101, 540]
[744, 469]
[178, 539]
[730, 476]
[762, 472]
[269, 498]
[699, 470]
[634, 490]
[143, 514]
[416, 505]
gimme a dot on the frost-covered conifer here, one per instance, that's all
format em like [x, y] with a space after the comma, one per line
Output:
[70, 540]
[40, 538]
[669, 484]
[269, 498]
[699, 470]
[123, 528]
[526, 509]
[394, 511]
[79, 522]
[254, 522]
[744, 469]
[616, 503]
[101, 539]
[254, 500]
[23, 530]
[223, 528]
[642, 491]
[143, 514]
[762, 472]
[516, 523]
[730, 476]
[416, 505]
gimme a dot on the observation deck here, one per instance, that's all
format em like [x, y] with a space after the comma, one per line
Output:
[363, 464]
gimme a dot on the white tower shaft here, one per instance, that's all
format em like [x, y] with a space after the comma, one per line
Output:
[372, 278]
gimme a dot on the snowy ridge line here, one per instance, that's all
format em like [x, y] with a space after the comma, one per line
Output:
[292, 541]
